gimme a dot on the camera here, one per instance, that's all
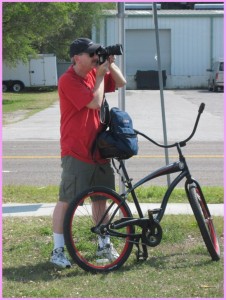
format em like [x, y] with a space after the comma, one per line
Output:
[104, 53]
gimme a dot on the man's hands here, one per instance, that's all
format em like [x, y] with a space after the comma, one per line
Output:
[98, 91]
[111, 59]
[105, 67]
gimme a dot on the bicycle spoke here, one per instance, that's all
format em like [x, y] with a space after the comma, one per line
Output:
[88, 239]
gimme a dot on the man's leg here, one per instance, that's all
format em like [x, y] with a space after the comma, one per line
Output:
[73, 180]
[98, 209]
[57, 256]
[105, 247]
[103, 176]
[58, 216]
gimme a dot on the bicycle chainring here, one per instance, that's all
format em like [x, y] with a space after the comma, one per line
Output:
[152, 234]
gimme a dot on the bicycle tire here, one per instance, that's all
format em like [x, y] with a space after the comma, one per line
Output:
[204, 220]
[81, 241]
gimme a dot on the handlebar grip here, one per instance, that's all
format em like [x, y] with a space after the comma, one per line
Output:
[201, 108]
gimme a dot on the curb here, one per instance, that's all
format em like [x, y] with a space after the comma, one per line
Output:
[41, 209]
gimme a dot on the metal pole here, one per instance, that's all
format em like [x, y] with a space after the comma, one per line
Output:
[121, 92]
[121, 40]
[161, 85]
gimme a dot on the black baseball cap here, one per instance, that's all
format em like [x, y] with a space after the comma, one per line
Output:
[83, 45]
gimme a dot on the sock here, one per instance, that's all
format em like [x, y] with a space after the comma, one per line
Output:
[58, 240]
[107, 239]
[102, 241]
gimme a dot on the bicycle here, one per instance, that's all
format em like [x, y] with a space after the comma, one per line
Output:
[117, 221]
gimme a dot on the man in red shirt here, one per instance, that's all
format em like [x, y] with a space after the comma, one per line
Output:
[81, 90]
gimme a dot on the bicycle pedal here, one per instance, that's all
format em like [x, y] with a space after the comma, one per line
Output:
[141, 256]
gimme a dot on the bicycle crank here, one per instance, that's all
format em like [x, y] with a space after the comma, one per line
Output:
[152, 235]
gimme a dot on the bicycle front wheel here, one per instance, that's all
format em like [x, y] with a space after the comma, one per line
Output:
[204, 220]
[82, 238]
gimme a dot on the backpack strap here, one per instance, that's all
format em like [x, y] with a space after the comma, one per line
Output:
[105, 113]
[104, 120]
[122, 178]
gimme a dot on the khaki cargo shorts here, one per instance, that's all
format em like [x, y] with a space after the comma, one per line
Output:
[78, 176]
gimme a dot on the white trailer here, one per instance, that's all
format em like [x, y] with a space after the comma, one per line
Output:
[39, 71]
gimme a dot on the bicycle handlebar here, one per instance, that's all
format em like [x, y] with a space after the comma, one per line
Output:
[182, 143]
[201, 108]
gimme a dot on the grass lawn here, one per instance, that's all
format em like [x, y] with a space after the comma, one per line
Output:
[18, 106]
[179, 267]
[152, 194]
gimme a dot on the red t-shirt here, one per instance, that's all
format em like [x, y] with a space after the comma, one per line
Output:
[79, 125]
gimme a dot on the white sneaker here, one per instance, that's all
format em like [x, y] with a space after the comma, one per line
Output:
[108, 251]
[58, 258]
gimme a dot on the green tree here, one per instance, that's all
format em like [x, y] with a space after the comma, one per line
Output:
[46, 27]
[87, 15]
[27, 25]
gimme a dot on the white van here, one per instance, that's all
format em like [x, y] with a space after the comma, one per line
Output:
[216, 77]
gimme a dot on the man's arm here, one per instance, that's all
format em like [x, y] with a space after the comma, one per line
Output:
[98, 91]
[116, 73]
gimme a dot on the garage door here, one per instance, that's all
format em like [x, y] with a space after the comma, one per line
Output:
[141, 50]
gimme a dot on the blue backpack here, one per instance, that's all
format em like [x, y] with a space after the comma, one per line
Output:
[119, 140]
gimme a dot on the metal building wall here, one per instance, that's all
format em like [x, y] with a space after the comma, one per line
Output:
[218, 37]
[196, 40]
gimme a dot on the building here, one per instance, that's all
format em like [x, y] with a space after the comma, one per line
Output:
[190, 40]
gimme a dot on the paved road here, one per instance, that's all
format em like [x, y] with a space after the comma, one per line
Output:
[31, 147]
[38, 162]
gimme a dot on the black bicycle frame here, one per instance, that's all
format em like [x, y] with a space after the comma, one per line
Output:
[180, 166]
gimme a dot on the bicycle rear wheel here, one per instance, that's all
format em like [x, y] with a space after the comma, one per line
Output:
[82, 240]
[204, 220]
